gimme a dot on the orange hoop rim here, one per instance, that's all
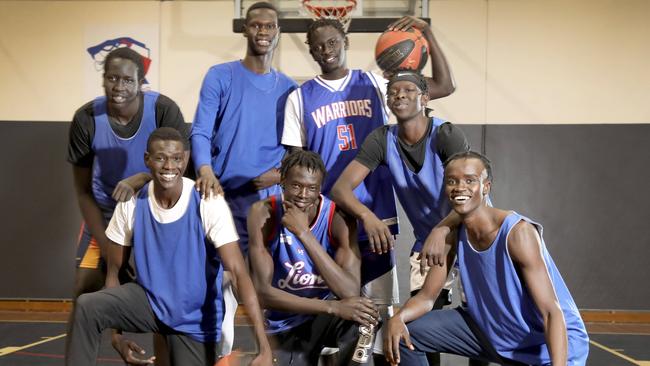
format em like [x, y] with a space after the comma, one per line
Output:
[321, 11]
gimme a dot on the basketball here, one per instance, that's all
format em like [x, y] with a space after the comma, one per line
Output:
[401, 50]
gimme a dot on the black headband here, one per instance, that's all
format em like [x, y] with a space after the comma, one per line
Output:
[418, 79]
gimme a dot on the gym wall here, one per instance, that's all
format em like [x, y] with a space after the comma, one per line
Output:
[555, 92]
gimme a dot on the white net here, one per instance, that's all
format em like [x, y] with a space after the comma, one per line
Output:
[331, 9]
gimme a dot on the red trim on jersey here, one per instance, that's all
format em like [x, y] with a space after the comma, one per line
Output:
[329, 224]
[320, 208]
[274, 208]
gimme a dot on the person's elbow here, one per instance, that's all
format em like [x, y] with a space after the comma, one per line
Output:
[449, 88]
[552, 311]
[264, 295]
[446, 89]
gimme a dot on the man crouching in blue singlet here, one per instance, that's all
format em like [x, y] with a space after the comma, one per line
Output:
[181, 245]
[305, 266]
[519, 310]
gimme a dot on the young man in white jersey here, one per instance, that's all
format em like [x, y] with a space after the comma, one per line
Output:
[332, 115]
[181, 245]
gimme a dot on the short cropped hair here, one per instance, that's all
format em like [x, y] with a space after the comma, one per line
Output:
[305, 159]
[167, 134]
[259, 5]
[323, 22]
[128, 54]
[487, 164]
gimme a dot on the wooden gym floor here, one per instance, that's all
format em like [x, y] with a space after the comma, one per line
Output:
[29, 337]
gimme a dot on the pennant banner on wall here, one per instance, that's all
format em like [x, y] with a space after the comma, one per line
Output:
[99, 42]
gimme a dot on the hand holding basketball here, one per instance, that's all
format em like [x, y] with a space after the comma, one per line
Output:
[407, 22]
[403, 46]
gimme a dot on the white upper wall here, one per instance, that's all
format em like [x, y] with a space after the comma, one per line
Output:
[534, 61]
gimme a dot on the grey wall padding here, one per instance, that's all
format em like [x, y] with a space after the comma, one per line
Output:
[41, 219]
[587, 184]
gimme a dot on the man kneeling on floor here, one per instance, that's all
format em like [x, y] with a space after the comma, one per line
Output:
[519, 310]
[305, 264]
[182, 244]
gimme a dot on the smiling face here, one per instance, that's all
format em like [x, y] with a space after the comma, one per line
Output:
[328, 48]
[302, 187]
[406, 100]
[167, 160]
[466, 184]
[262, 31]
[121, 84]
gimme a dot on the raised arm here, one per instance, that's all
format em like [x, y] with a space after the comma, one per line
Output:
[417, 305]
[260, 223]
[525, 247]
[233, 261]
[379, 235]
[441, 84]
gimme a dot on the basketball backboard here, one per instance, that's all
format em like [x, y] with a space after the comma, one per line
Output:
[370, 16]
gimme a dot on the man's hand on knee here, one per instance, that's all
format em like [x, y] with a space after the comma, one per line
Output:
[128, 349]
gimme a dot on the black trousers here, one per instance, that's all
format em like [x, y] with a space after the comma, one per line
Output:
[303, 344]
[126, 308]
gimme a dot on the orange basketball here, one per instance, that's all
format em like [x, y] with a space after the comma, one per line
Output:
[401, 50]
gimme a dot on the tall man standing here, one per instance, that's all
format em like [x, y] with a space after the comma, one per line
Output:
[238, 125]
[107, 141]
[239, 120]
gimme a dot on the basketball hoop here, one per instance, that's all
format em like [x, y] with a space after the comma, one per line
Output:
[331, 9]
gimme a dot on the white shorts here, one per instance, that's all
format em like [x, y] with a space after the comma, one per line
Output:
[416, 280]
[383, 290]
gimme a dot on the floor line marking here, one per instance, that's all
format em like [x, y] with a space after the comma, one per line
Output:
[8, 350]
[626, 358]
[34, 321]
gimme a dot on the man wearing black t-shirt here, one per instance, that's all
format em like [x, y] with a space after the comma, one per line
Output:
[107, 140]
[414, 151]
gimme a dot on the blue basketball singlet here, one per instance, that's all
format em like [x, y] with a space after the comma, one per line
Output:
[420, 193]
[184, 296]
[248, 123]
[336, 123]
[117, 158]
[294, 271]
[237, 130]
[500, 304]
